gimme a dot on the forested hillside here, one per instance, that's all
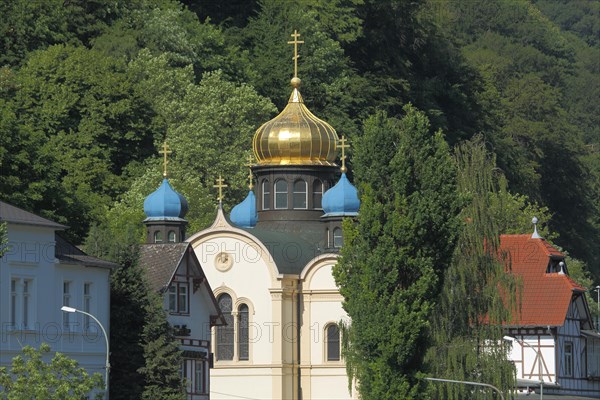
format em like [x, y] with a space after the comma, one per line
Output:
[89, 90]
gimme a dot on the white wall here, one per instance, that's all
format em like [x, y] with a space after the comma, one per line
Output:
[31, 257]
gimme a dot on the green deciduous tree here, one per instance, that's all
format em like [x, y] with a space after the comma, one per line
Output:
[31, 377]
[393, 257]
[477, 295]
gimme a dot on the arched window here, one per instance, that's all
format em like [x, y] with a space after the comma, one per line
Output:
[172, 237]
[266, 199]
[333, 343]
[299, 194]
[243, 338]
[281, 194]
[317, 194]
[338, 240]
[224, 336]
[158, 237]
[328, 238]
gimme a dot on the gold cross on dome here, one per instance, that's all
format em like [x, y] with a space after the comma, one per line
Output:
[220, 185]
[250, 176]
[343, 146]
[165, 152]
[295, 42]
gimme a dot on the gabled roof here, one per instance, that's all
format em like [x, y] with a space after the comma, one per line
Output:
[67, 253]
[545, 297]
[161, 261]
[16, 215]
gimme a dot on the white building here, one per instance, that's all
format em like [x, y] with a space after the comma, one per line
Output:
[40, 273]
[270, 267]
[555, 338]
[173, 270]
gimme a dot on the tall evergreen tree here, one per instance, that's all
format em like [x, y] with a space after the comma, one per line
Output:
[144, 359]
[477, 295]
[162, 357]
[392, 258]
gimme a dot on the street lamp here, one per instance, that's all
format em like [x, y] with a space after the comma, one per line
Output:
[597, 289]
[107, 367]
[467, 383]
[540, 371]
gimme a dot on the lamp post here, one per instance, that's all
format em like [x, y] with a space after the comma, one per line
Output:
[597, 289]
[540, 371]
[107, 366]
[467, 383]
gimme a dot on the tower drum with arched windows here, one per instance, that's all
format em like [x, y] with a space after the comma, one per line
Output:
[295, 153]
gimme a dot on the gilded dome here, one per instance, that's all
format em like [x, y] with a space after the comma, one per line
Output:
[295, 137]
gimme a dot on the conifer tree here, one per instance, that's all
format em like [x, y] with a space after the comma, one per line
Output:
[145, 361]
[478, 295]
[392, 258]
[162, 357]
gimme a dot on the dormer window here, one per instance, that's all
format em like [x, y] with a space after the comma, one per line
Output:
[556, 266]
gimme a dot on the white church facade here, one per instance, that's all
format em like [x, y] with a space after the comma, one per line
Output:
[270, 263]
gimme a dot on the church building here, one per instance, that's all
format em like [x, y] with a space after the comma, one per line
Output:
[270, 265]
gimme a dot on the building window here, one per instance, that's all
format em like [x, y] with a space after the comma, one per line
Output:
[266, 200]
[21, 310]
[67, 302]
[243, 338]
[317, 194]
[299, 198]
[199, 383]
[338, 240]
[13, 303]
[333, 343]
[178, 298]
[281, 194]
[193, 373]
[568, 358]
[87, 304]
[172, 237]
[224, 334]
[158, 237]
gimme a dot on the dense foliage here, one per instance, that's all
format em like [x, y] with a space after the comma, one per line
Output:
[89, 91]
[393, 258]
[466, 346]
[32, 377]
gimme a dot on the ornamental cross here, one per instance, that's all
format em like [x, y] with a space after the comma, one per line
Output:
[295, 42]
[165, 152]
[220, 185]
[343, 146]
[249, 165]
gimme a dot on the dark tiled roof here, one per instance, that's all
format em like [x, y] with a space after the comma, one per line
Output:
[16, 215]
[545, 296]
[161, 261]
[292, 245]
[67, 253]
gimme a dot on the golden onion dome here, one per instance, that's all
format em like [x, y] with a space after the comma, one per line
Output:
[295, 136]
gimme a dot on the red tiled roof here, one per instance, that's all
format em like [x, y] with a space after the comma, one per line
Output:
[545, 297]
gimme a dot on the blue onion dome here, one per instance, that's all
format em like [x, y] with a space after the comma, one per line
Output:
[165, 203]
[342, 199]
[244, 214]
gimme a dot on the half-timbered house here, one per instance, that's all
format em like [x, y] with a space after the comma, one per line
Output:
[554, 341]
[173, 270]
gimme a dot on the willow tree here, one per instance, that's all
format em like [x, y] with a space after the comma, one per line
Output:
[392, 258]
[477, 295]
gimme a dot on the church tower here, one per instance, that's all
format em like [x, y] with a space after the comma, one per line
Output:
[271, 264]
[165, 211]
[295, 154]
